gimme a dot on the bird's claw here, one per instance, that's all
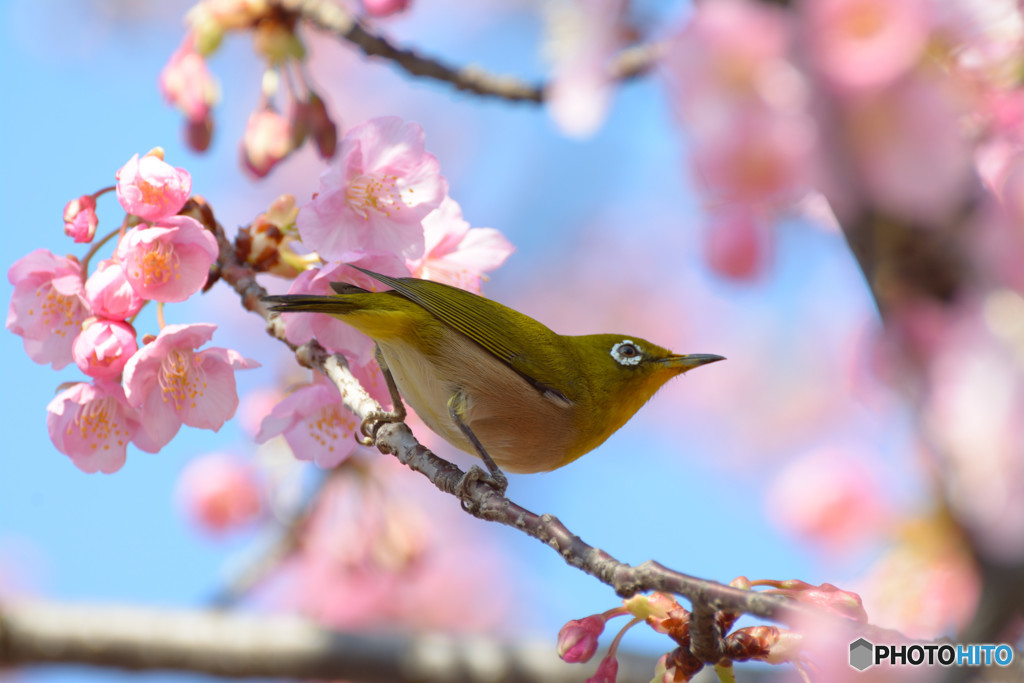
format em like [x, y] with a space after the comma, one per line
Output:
[496, 480]
[372, 423]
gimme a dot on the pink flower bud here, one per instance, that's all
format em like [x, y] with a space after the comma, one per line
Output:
[267, 140]
[385, 8]
[109, 293]
[607, 671]
[80, 218]
[151, 188]
[577, 640]
[220, 492]
[103, 348]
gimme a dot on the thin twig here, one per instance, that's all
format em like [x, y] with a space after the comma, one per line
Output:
[333, 18]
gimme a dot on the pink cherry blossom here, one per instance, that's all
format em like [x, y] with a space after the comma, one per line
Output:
[172, 384]
[332, 333]
[393, 566]
[865, 43]
[737, 244]
[376, 193]
[455, 253]
[312, 419]
[151, 188]
[220, 492]
[47, 307]
[385, 8]
[910, 148]
[103, 348]
[80, 220]
[762, 158]
[169, 261]
[186, 81]
[92, 424]
[585, 35]
[267, 140]
[830, 498]
[733, 54]
[110, 294]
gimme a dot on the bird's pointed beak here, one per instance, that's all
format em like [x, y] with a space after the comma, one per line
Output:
[690, 361]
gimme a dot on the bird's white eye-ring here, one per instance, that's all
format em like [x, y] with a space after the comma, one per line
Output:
[626, 352]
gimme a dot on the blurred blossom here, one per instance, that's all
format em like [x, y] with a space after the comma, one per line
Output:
[375, 194]
[80, 220]
[380, 9]
[737, 244]
[831, 498]
[926, 584]
[103, 348]
[219, 492]
[455, 253]
[986, 36]
[583, 37]
[92, 424]
[335, 335]
[864, 43]
[47, 305]
[110, 294]
[973, 408]
[910, 149]
[256, 405]
[186, 82]
[732, 55]
[266, 141]
[381, 553]
[169, 261]
[758, 159]
[171, 384]
[151, 188]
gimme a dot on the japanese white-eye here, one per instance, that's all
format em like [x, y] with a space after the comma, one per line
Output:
[495, 382]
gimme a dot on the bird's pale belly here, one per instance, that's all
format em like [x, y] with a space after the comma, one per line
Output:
[521, 429]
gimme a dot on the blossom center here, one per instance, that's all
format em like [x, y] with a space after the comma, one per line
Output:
[98, 423]
[182, 378]
[159, 264]
[151, 194]
[367, 193]
[58, 311]
[329, 425]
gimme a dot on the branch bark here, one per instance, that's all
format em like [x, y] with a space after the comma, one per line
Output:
[233, 645]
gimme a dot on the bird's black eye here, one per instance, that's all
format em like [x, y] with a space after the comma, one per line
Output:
[626, 352]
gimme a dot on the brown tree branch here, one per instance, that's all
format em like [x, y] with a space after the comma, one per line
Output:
[332, 18]
[235, 645]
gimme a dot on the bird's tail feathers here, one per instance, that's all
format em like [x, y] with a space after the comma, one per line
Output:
[309, 303]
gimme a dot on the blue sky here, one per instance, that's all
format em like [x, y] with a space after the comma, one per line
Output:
[618, 209]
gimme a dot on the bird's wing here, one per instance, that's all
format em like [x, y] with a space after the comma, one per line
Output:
[487, 325]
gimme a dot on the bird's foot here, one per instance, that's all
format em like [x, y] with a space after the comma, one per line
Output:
[372, 423]
[496, 480]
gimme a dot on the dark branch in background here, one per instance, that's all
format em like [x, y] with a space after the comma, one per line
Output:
[233, 645]
[331, 17]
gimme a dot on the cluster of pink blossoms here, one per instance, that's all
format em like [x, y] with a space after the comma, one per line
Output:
[65, 314]
[383, 205]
